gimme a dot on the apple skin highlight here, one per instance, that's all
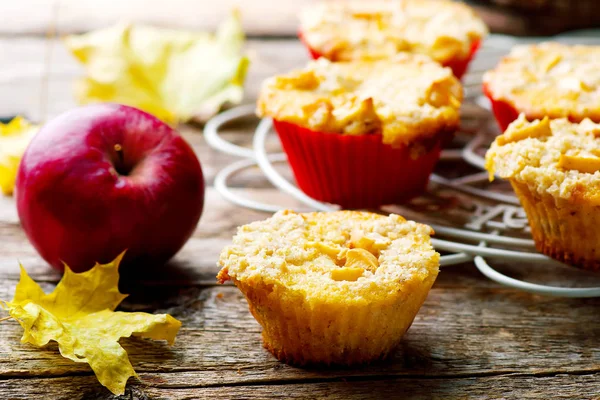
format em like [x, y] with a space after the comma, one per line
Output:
[101, 179]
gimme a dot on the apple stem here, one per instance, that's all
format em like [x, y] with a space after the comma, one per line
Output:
[119, 150]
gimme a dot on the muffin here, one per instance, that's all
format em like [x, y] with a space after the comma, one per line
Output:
[363, 133]
[332, 288]
[446, 31]
[554, 168]
[548, 79]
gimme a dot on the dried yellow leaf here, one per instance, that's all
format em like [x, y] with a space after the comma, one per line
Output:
[79, 315]
[14, 138]
[175, 75]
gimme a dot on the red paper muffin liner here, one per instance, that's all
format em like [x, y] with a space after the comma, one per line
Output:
[355, 171]
[458, 66]
[503, 111]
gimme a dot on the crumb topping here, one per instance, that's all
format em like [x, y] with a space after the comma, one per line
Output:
[405, 99]
[555, 157]
[549, 79]
[349, 30]
[356, 255]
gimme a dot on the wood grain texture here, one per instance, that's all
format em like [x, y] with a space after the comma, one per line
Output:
[494, 331]
[561, 386]
[220, 345]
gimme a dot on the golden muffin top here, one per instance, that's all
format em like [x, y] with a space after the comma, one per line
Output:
[330, 257]
[349, 30]
[556, 157]
[549, 79]
[407, 98]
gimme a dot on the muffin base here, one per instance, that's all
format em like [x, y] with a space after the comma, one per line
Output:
[567, 232]
[356, 171]
[458, 66]
[299, 333]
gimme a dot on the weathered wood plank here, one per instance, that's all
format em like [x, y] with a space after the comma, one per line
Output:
[494, 331]
[476, 388]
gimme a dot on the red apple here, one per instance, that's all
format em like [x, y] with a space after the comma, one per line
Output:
[100, 179]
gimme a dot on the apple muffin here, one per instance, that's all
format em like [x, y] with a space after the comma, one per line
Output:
[332, 288]
[547, 79]
[363, 133]
[449, 32]
[554, 168]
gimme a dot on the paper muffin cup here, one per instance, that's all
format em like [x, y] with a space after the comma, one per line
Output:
[566, 231]
[299, 333]
[504, 112]
[459, 65]
[356, 171]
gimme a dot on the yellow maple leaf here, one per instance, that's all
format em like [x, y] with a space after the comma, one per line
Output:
[14, 138]
[79, 315]
[175, 75]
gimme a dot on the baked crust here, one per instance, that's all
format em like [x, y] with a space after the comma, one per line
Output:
[552, 157]
[407, 99]
[355, 29]
[549, 79]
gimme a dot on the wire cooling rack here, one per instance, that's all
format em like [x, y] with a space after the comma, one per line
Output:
[479, 223]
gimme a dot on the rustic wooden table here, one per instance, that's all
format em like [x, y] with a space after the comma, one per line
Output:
[472, 338]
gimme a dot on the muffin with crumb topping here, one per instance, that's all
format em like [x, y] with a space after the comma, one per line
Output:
[554, 168]
[546, 80]
[363, 133]
[332, 288]
[448, 32]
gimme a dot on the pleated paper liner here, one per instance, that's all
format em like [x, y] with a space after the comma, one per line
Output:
[356, 171]
[564, 230]
[458, 66]
[298, 332]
